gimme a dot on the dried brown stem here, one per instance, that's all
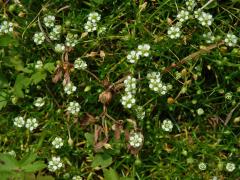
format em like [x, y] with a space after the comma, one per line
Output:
[193, 56]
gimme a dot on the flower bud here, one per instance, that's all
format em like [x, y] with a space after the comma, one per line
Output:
[105, 97]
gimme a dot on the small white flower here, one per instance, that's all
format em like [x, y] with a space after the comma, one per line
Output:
[55, 33]
[204, 18]
[214, 178]
[190, 4]
[209, 38]
[167, 125]
[71, 40]
[136, 139]
[202, 166]
[73, 107]
[6, 27]
[174, 32]
[128, 100]
[228, 96]
[197, 13]
[80, 64]
[102, 30]
[77, 178]
[57, 142]
[231, 40]
[59, 48]
[19, 121]
[12, 153]
[133, 57]
[31, 124]
[49, 21]
[143, 50]
[200, 111]
[39, 38]
[130, 85]
[94, 17]
[90, 26]
[183, 15]
[230, 167]
[140, 113]
[39, 102]
[55, 164]
[156, 84]
[38, 65]
[70, 88]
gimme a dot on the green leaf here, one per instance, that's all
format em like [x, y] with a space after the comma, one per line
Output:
[38, 77]
[103, 160]
[36, 166]
[3, 81]
[126, 178]
[21, 83]
[7, 163]
[90, 138]
[98, 2]
[3, 99]
[50, 67]
[27, 159]
[110, 174]
[7, 40]
[5, 175]
[45, 178]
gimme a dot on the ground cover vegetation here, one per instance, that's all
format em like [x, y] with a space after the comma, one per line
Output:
[119, 90]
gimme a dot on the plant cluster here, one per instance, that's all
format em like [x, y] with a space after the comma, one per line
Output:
[108, 89]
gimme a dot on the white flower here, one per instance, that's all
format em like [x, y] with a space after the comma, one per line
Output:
[12, 153]
[167, 125]
[55, 164]
[214, 178]
[143, 50]
[70, 88]
[39, 102]
[209, 38]
[55, 33]
[6, 27]
[202, 166]
[133, 57]
[90, 26]
[190, 4]
[204, 18]
[39, 65]
[39, 38]
[49, 20]
[77, 178]
[228, 96]
[31, 124]
[197, 13]
[140, 113]
[94, 17]
[57, 142]
[19, 121]
[231, 40]
[174, 32]
[230, 167]
[59, 48]
[200, 111]
[156, 84]
[71, 40]
[102, 30]
[80, 64]
[128, 100]
[130, 85]
[183, 15]
[136, 139]
[73, 107]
